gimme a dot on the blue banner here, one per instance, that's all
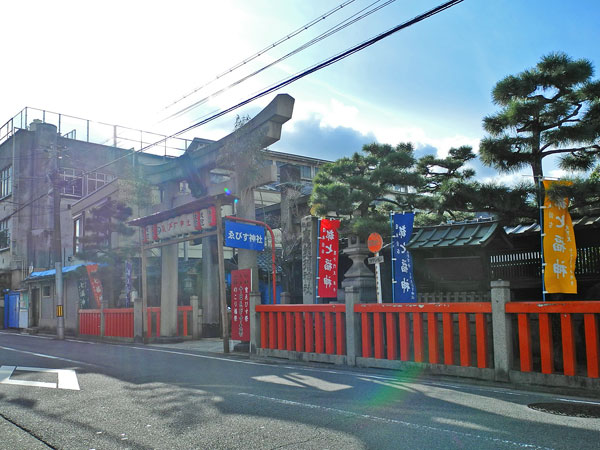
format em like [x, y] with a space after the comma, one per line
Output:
[403, 283]
[243, 235]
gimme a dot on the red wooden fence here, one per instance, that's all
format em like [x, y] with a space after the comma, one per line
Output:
[303, 328]
[89, 322]
[387, 332]
[118, 322]
[566, 311]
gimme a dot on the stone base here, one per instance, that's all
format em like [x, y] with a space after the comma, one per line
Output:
[242, 347]
[167, 340]
[210, 330]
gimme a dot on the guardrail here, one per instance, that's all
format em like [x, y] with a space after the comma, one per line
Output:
[567, 312]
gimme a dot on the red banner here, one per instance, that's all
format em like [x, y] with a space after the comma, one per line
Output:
[241, 286]
[95, 283]
[328, 258]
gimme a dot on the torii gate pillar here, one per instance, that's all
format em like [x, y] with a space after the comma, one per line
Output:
[194, 166]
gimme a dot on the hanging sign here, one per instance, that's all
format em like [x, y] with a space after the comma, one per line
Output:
[243, 235]
[403, 283]
[560, 251]
[179, 225]
[241, 286]
[328, 259]
[83, 290]
[95, 283]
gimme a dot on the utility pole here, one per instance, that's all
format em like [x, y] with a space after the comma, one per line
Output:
[57, 246]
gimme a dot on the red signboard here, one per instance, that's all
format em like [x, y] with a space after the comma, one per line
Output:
[328, 258]
[95, 283]
[241, 286]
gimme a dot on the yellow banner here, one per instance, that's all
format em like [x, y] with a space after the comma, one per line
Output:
[560, 250]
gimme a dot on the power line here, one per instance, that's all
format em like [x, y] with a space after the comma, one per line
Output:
[266, 49]
[283, 83]
[318, 66]
[331, 31]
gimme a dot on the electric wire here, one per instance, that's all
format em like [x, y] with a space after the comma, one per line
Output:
[338, 57]
[331, 31]
[265, 50]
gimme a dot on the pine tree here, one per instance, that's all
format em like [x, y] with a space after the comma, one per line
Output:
[355, 187]
[104, 220]
[553, 108]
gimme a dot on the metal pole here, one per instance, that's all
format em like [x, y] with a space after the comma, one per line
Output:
[144, 290]
[222, 289]
[274, 266]
[60, 325]
[378, 280]
[543, 262]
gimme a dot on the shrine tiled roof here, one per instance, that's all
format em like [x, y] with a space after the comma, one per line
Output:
[476, 233]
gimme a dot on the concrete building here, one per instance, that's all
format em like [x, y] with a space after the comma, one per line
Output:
[91, 161]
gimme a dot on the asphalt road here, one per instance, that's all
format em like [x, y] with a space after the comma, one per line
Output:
[121, 396]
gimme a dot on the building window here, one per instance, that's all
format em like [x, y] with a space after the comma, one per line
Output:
[77, 234]
[46, 290]
[95, 180]
[73, 179]
[6, 181]
[4, 234]
[305, 172]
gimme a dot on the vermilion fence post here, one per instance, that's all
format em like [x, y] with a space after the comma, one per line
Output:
[418, 337]
[366, 334]
[264, 330]
[378, 335]
[318, 333]
[432, 336]
[289, 329]
[340, 333]
[308, 332]
[329, 343]
[272, 330]
[404, 333]
[546, 352]
[299, 331]
[481, 336]
[464, 334]
[525, 343]
[448, 338]
[149, 317]
[591, 344]
[568, 344]
[390, 326]
[280, 331]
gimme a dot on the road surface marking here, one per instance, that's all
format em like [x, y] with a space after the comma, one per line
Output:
[42, 355]
[392, 421]
[67, 379]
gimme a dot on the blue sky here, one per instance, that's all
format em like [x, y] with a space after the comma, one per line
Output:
[429, 84]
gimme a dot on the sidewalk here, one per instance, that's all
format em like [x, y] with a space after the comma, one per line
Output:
[212, 345]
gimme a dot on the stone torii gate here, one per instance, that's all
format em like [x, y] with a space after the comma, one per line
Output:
[197, 166]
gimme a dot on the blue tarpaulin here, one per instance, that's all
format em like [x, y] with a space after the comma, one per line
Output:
[52, 272]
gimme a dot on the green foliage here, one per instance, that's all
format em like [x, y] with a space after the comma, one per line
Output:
[553, 108]
[103, 221]
[354, 187]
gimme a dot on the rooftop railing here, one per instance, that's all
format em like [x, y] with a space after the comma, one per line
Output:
[77, 128]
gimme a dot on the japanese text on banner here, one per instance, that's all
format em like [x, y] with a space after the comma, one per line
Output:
[95, 283]
[560, 251]
[241, 286]
[403, 283]
[328, 258]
